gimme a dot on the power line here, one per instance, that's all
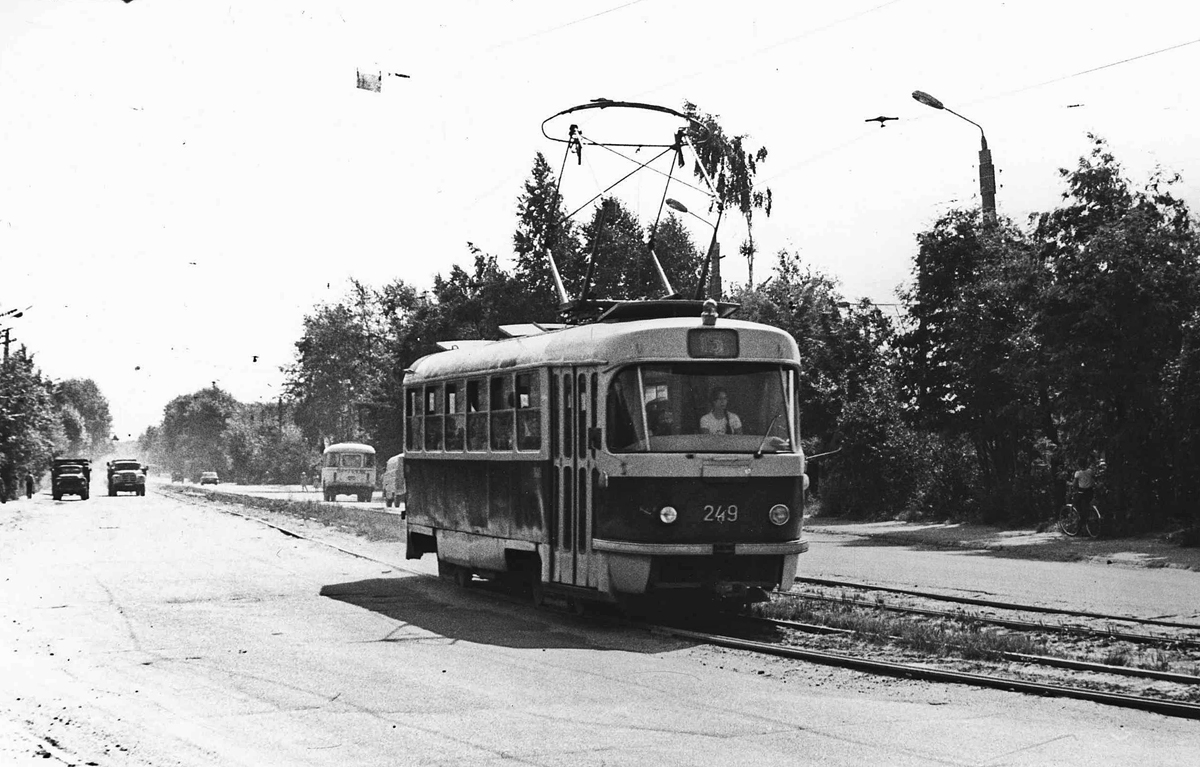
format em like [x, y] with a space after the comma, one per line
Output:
[1089, 71]
[1004, 94]
[562, 26]
[772, 46]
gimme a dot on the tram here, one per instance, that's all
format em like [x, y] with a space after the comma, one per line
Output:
[653, 452]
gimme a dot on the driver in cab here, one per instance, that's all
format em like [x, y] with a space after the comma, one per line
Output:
[719, 420]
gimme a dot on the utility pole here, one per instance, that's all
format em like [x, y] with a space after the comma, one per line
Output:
[7, 341]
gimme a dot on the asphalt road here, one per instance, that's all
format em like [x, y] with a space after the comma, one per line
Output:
[151, 631]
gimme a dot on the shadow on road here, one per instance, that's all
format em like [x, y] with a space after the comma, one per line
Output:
[428, 604]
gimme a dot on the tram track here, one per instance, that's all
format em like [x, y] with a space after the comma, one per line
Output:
[1043, 660]
[1019, 625]
[997, 604]
[1162, 706]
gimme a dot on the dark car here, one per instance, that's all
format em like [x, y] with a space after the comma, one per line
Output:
[209, 478]
[177, 476]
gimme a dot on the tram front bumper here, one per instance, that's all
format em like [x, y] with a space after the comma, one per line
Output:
[798, 546]
[635, 568]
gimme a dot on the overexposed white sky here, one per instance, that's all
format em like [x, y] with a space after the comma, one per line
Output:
[181, 181]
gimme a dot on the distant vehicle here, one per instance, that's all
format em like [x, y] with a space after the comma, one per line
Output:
[348, 468]
[209, 478]
[177, 476]
[71, 476]
[393, 481]
[126, 475]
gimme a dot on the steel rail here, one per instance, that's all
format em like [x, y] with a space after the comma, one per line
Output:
[887, 668]
[1125, 636]
[1041, 660]
[996, 603]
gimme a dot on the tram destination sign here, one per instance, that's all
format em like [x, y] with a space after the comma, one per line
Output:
[713, 343]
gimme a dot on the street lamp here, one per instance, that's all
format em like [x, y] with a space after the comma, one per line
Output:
[987, 172]
[714, 251]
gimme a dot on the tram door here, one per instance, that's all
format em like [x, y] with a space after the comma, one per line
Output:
[573, 413]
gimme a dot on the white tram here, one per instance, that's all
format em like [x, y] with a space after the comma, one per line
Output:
[585, 460]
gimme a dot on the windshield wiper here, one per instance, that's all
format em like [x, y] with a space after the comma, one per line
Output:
[759, 453]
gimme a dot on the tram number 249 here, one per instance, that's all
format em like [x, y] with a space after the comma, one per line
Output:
[720, 514]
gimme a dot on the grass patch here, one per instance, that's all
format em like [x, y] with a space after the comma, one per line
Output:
[372, 524]
[962, 638]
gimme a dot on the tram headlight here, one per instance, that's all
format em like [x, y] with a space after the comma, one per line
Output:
[668, 514]
[779, 514]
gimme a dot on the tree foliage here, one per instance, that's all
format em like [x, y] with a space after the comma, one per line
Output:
[40, 420]
[193, 432]
[731, 167]
[30, 427]
[1021, 348]
[542, 230]
[1120, 289]
[86, 420]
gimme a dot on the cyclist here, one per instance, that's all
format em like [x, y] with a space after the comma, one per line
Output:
[1084, 484]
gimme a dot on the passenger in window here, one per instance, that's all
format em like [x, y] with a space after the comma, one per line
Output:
[719, 420]
[660, 418]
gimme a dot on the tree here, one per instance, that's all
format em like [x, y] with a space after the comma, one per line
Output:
[680, 259]
[732, 167]
[86, 418]
[969, 363]
[543, 229]
[616, 241]
[1121, 286]
[341, 363]
[193, 431]
[29, 425]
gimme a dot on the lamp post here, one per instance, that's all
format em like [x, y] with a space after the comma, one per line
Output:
[714, 248]
[987, 172]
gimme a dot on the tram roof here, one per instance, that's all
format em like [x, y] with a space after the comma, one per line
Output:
[601, 342]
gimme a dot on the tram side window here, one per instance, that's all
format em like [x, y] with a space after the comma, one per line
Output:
[502, 412]
[456, 419]
[624, 419]
[433, 417]
[413, 437]
[477, 415]
[529, 412]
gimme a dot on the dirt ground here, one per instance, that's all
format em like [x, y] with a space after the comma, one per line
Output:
[1143, 551]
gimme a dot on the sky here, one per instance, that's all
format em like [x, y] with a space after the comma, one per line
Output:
[182, 181]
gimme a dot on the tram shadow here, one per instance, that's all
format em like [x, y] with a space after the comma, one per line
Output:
[425, 606]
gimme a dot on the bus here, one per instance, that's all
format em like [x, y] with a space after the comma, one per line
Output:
[597, 462]
[348, 468]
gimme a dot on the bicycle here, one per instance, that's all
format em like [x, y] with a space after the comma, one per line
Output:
[1071, 521]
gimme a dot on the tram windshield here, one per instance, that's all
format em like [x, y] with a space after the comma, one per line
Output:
[702, 408]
